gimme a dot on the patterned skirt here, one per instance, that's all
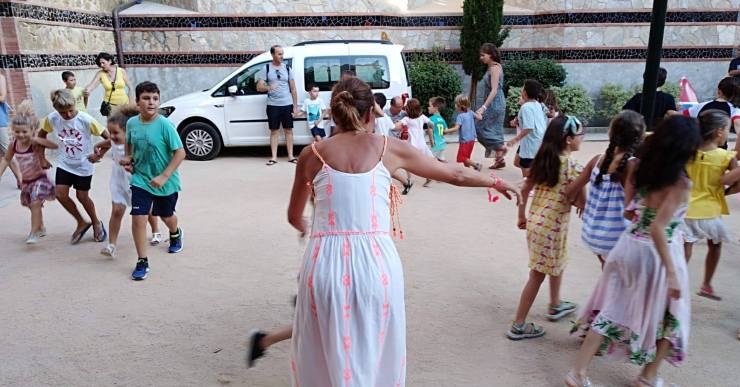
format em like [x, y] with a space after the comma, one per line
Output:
[40, 189]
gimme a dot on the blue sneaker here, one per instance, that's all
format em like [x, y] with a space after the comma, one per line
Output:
[176, 243]
[141, 271]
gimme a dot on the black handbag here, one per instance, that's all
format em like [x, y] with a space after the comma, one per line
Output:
[105, 105]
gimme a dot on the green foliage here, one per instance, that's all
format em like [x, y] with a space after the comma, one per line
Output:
[546, 71]
[574, 100]
[434, 78]
[512, 100]
[482, 21]
[612, 98]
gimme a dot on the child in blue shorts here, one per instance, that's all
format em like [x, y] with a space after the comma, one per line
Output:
[154, 151]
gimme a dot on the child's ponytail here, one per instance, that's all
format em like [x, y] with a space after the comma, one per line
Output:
[711, 121]
[25, 116]
[625, 132]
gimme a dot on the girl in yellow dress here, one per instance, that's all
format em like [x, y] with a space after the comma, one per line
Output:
[552, 171]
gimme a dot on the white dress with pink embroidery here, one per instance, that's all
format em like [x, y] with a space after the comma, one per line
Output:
[350, 323]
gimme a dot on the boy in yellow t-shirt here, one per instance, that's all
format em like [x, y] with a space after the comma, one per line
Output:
[70, 81]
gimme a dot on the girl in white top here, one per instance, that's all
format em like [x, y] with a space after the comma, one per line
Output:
[414, 124]
[120, 179]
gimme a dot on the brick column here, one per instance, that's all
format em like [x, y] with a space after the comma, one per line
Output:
[16, 78]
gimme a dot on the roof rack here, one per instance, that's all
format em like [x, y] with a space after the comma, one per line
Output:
[341, 41]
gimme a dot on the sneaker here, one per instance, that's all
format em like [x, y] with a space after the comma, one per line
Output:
[141, 271]
[176, 243]
[42, 232]
[556, 313]
[109, 250]
[254, 349]
[156, 239]
[524, 331]
[33, 238]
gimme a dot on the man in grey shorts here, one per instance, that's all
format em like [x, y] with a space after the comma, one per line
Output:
[4, 128]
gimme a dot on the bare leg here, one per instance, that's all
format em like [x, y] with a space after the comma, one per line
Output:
[114, 224]
[588, 349]
[402, 176]
[16, 169]
[710, 266]
[650, 371]
[601, 259]
[289, 142]
[274, 143]
[154, 223]
[89, 206]
[138, 229]
[171, 223]
[555, 282]
[688, 249]
[277, 336]
[37, 219]
[529, 293]
[62, 193]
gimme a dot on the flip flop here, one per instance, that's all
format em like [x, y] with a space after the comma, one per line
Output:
[104, 236]
[709, 293]
[271, 162]
[293, 160]
[77, 236]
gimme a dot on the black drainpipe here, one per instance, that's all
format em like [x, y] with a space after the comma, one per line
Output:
[117, 27]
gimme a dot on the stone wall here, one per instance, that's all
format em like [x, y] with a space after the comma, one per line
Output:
[98, 6]
[558, 5]
[48, 38]
[299, 7]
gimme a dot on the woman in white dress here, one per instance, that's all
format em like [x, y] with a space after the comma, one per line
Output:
[350, 324]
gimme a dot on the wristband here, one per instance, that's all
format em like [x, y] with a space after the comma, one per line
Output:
[497, 182]
[484, 107]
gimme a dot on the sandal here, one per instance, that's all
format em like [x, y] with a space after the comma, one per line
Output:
[103, 234]
[499, 164]
[708, 292]
[77, 235]
[271, 162]
[525, 331]
[642, 382]
[407, 187]
[571, 380]
[478, 167]
[565, 308]
[293, 160]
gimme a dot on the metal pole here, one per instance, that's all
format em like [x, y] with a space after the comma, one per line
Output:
[655, 47]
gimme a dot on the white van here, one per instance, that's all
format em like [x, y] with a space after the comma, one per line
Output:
[232, 113]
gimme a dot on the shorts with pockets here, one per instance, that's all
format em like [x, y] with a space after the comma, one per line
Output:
[465, 151]
[80, 183]
[280, 115]
[143, 202]
[316, 131]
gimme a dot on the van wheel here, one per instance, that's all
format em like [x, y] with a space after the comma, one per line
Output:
[201, 141]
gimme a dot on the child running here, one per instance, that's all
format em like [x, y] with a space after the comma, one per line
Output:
[75, 130]
[552, 171]
[153, 153]
[413, 124]
[533, 123]
[120, 179]
[603, 220]
[36, 188]
[465, 126]
[707, 203]
[640, 308]
[437, 130]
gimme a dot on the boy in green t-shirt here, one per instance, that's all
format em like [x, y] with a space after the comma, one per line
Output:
[153, 153]
[436, 105]
[70, 82]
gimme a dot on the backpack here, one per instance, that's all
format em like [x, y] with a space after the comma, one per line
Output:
[267, 69]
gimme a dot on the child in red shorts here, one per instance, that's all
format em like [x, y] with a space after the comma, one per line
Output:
[465, 126]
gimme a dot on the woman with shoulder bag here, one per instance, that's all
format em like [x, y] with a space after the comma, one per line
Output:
[114, 81]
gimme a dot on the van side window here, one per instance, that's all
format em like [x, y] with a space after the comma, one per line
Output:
[373, 70]
[246, 81]
[323, 71]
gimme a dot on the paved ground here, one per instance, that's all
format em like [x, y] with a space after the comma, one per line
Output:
[71, 317]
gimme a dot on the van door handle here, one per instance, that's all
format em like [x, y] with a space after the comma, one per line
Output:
[219, 105]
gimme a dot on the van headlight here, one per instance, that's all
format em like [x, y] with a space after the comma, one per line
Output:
[166, 111]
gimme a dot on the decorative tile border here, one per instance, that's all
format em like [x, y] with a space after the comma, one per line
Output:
[452, 56]
[36, 12]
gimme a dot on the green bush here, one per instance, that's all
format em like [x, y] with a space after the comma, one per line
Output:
[512, 100]
[546, 71]
[433, 77]
[574, 100]
[612, 98]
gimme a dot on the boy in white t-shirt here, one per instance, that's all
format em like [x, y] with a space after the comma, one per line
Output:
[383, 124]
[75, 129]
[315, 110]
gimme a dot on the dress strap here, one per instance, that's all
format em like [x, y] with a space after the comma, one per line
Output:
[316, 152]
[385, 146]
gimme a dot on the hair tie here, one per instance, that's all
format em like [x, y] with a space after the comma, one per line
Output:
[571, 125]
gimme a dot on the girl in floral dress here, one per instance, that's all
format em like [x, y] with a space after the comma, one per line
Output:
[553, 169]
[350, 325]
[640, 309]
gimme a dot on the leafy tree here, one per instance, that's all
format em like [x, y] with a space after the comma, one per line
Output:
[482, 21]
[433, 77]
